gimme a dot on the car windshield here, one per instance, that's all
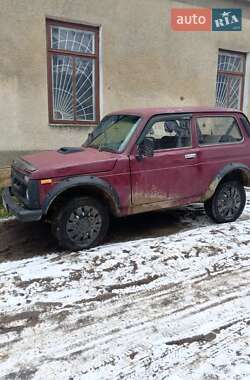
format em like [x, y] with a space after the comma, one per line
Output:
[113, 133]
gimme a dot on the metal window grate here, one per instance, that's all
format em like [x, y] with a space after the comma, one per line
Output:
[73, 65]
[230, 79]
[72, 40]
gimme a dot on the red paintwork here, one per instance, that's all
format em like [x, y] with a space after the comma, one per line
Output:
[164, 180]
[52, 164]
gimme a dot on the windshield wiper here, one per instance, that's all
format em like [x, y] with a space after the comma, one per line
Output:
[102, 148]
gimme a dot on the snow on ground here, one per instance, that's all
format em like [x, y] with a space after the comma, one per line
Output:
[175, 307]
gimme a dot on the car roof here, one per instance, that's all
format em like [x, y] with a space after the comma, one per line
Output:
[146, 112]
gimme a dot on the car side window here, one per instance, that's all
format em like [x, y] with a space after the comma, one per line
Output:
[218, 130]
[169, 134]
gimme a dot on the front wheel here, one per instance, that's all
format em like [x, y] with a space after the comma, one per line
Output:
[227, 203]
[81, 224]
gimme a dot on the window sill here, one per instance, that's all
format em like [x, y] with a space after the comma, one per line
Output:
[51, 125]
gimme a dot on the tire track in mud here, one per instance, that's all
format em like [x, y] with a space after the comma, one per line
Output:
[186, 311]
[140, 296]
[181, 361]
[77, 348]
[158, 301]
[147, 357]
[124, 330]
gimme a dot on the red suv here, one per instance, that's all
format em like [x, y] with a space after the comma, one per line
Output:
[136, 160]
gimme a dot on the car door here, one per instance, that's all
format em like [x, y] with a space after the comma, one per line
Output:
[171, 173]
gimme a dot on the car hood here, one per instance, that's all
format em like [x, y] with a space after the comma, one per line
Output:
[62, 163]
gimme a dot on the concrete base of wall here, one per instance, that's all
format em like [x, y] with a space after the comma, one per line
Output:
[6, 157]
[4, 177]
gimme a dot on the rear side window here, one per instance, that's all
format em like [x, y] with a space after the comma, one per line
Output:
[218, 130]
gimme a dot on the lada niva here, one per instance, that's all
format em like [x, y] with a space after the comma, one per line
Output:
[134, 161]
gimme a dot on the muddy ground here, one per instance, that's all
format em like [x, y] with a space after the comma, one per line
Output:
[24, 240]
[172, 307]
[166, 308]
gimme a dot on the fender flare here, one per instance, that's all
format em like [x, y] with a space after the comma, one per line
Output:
[87, 182]
[227, 169]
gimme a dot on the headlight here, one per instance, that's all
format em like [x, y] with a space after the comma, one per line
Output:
[19, 163]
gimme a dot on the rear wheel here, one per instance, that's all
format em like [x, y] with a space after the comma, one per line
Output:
[227, 203]
[81, 224]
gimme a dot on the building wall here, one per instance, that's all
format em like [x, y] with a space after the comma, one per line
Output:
[143, 63]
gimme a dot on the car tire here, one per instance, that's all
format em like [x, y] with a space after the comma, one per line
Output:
[81, 223]
[227, 203]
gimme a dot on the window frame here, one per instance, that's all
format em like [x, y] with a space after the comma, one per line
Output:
[241, 75]
[245, 124]
[161, 117]
[72, 54]
[222, 143]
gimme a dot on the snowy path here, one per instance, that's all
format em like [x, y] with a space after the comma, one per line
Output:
[174, 307]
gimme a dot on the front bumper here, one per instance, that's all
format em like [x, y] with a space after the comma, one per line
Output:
[22, 213]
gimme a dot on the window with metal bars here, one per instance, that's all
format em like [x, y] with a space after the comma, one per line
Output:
[73, 73]
[230, 79]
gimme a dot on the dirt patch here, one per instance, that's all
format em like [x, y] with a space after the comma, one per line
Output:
[132, 355]
[203, 337]
[152, 224]
[61, 316]
[24, 240]
[18, 322]
[114, 267]
[98, 298]
[42, 281]
[75, 276]
[143, 281]
[47, 306]
[196, 338]
[23, 374]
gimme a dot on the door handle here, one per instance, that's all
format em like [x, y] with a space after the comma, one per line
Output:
[189, 156]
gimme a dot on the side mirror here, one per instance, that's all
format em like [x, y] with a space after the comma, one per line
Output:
[146, 148]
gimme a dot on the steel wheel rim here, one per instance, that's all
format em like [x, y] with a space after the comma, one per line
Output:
[229, 202]
[84, 225]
